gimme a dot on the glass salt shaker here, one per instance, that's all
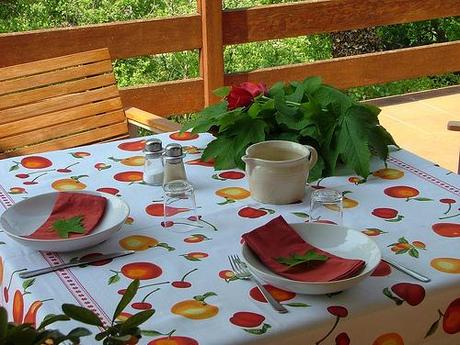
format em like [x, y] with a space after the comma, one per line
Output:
[153, 165]
[174, 168]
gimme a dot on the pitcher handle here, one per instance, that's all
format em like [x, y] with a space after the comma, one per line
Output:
[313, 156]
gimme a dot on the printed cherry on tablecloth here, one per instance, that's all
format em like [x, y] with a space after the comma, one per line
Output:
[250, 322]
[339, 312]
[196, 308]
[389, 339]
[446, 265]
[412, 294]
[141, 243]
[182, 283]
[404, 192]
[342, 339]
[450, 319]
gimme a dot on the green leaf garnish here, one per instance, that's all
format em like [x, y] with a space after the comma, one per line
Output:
[297, 259]
[65, 226]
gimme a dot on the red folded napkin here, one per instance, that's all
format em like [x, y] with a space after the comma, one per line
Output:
[277, 239]
[73, 215]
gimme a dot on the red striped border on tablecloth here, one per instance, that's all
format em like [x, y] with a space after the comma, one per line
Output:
[425, 176]
[70, 281]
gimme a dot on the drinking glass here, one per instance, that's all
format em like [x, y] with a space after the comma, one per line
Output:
[326, 206]
[179, 207]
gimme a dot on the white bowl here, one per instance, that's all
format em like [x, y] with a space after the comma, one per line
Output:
[337, 240]
[26, 216]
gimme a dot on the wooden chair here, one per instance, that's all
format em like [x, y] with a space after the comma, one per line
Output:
[65, 102]
[455, 126]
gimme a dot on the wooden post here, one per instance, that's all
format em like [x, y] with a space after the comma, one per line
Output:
[211, 54]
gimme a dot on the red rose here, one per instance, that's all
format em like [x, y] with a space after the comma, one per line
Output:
[243, 95]
[254, 89]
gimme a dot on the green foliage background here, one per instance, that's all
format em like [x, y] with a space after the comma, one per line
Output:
[21, 15]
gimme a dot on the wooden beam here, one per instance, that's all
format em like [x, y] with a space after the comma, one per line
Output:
[124, 39]
[211, 54]
[366, 69]
[166, 99]
[314, 17]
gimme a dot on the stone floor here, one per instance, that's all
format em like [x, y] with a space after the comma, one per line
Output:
[418, 123]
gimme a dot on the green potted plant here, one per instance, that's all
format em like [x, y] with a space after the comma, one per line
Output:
[342, 130]
[122, 333]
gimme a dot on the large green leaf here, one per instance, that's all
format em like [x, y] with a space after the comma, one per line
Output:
[222, 150]
[248, 131]
[353, 145]
[329, 97]
[127, 298]
[81, 314]
[311, 84]
[297, 95]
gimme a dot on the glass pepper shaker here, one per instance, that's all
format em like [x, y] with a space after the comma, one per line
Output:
[174, 168]
[153, 165]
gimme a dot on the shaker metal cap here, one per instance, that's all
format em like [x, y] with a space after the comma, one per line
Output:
[153, 145]
[173, 151]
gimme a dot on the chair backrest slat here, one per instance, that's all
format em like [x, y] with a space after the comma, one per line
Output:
[46, 102]
[58, 103]
[116, 131]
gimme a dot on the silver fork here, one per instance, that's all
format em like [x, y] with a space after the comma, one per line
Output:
[241, 272]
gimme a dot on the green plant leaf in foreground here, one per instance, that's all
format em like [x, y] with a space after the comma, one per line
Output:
[297, 259]
[127, 298]
[81, 314]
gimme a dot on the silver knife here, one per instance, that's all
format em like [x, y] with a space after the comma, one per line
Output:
[40, 271]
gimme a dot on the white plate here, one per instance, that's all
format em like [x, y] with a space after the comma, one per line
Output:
[26, 216]
[337, 240]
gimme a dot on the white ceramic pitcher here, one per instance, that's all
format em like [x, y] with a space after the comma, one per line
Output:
[278, 170]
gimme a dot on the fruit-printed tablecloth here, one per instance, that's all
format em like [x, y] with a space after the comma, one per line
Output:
[410, 208]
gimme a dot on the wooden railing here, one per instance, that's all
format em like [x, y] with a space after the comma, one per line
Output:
[212, 28]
